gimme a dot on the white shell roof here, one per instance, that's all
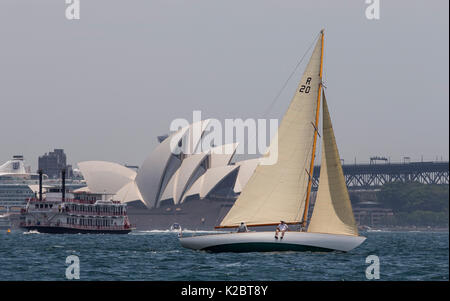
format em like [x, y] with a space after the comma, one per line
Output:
[105, 177]
[246, 170]
[156, 168]
[150, 174]
[128, 193]
[222, 155]
[184, 176]
[209, 180]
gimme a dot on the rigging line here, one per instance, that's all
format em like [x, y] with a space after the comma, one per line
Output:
[289, 78]
[283, 87]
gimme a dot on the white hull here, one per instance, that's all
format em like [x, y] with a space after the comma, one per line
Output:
[265, 241]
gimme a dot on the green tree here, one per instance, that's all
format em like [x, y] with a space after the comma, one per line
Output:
[409, 197]
[415, 203]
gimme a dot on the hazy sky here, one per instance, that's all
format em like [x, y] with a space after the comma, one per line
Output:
[103, 87]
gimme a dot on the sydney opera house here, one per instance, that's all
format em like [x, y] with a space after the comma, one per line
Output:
[181, 181]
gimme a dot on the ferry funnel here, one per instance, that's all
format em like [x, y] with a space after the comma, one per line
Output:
[40, 184]
[63, 188]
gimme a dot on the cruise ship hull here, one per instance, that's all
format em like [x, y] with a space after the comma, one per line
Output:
[266, 242]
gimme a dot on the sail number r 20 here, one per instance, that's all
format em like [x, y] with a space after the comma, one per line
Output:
[306, 87]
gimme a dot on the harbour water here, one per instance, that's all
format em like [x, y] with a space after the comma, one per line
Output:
[157, 255]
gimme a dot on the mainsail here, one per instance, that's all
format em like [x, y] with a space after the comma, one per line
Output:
[332, 211]
[278, 191]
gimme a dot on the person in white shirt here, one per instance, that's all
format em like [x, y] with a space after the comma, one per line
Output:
[242, 227]
[282, 227]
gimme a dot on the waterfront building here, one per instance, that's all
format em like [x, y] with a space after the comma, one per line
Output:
[52, 163]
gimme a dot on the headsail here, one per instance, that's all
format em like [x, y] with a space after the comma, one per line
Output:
[277, 192]
[332, 211]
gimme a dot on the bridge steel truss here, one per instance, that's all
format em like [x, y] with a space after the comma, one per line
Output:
[373, 176]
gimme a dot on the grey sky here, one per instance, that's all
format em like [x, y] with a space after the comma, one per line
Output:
[105, 86]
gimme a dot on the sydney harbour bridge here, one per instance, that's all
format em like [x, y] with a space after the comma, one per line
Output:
[373, 175]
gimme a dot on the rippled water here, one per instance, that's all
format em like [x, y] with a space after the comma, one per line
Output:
[157, 255]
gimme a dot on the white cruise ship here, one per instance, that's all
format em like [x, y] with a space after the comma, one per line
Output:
[17, 184]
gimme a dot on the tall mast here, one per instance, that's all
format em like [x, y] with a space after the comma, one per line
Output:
[316, 126]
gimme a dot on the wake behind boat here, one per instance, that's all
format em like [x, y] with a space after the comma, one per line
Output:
[281, 191]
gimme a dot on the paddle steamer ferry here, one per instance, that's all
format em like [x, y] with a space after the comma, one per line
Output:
[61, 212]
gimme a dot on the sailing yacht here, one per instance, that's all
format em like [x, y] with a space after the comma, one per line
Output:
[281, 192]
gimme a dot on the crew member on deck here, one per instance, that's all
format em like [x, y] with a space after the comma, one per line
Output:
[242, 227]
[282, 227]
